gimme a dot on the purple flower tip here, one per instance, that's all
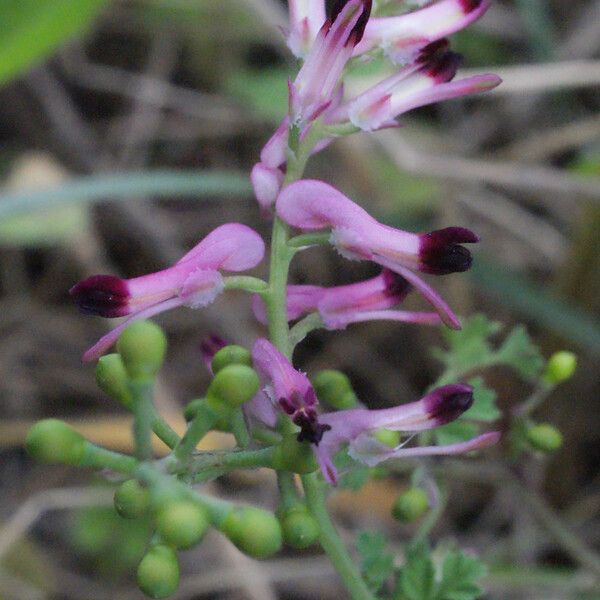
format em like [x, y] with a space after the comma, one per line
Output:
[310, 429]
[395, 285]
[470, 5]
[448, 402]
[439, 63]
[209, 346]
[359, 28]
[104, 295]
[440, 252]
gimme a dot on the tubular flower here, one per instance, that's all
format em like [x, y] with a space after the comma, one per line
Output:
[312, 205]
[306, 19]
[293, 393]
[427, 80]
[402, 37]
[313, 89]
[338, 306]
[194, 281]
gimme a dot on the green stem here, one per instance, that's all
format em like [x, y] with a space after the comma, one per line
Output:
[200, 425]
[288, 494]
[331, 542]
[246, 283]
[143, 411]
[309, 239]
[537, 398]
[164, 432]
[100, 458]
[302, 328]
[431, 518]
[241, 459]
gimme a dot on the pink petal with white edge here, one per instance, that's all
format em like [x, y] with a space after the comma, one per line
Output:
[266, 183]
[231, 247]
[402, 36]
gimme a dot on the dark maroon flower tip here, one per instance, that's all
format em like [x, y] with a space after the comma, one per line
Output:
[104, 295]
[439, 63]
[395, 285]
[209, 346]
[359, 29]
[448, 402]
[310, 429]
[441, 252]
[470, 5]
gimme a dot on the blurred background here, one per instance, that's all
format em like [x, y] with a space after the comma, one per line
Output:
[182, 94]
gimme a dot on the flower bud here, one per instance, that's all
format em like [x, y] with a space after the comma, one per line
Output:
[300, 529]
[388, 437]
[234, 385]
[231, 355]
[158, 572]
[132, 500]
[183, 523]
[54, 442]
[411, 505]
[334, 388]
[544, 437]
[142, 347]
[560, 367]
[254, 531]
[111, 378]
[295, 456]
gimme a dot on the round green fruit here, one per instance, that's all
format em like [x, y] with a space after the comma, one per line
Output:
[411, 505]
[158, 572]
[182, 523]
[142, 347]
[231, 355]
[254, 531]
[52, 441]
[132, 500]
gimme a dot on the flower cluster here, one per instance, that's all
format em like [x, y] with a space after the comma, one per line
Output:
[415, 41]
[318, 111]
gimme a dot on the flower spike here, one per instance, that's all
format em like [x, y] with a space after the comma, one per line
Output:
[194, 281]
[339, 306]
[313, 205]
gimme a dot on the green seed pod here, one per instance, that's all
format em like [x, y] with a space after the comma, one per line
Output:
[54, 442]
[182, 524]
[158, 572]
[299, 527]
[142, 347]
[544, 437]
[411, 505]
[388, 437]
[254, 531]
[561, 367]
[334, 388]
[295, 456]
[132, 500]
[234, 385]
[231, 355]
[111, 378]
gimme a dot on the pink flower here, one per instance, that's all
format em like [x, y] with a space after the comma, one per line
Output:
[313, 89]
[194, 281]
[338, 306]
[306, 19]
[293, 393]
[427, 80]
[402, 37]
[312, 205]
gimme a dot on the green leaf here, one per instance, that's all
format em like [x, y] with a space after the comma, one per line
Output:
[455, 432]
[30, 30]
[417, 576]
[377, 564]
[520, 353]
[484, 407]
[460, 576]
[352, 474]
[469, 347]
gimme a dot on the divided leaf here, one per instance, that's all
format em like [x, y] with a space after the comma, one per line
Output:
[377, 564]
